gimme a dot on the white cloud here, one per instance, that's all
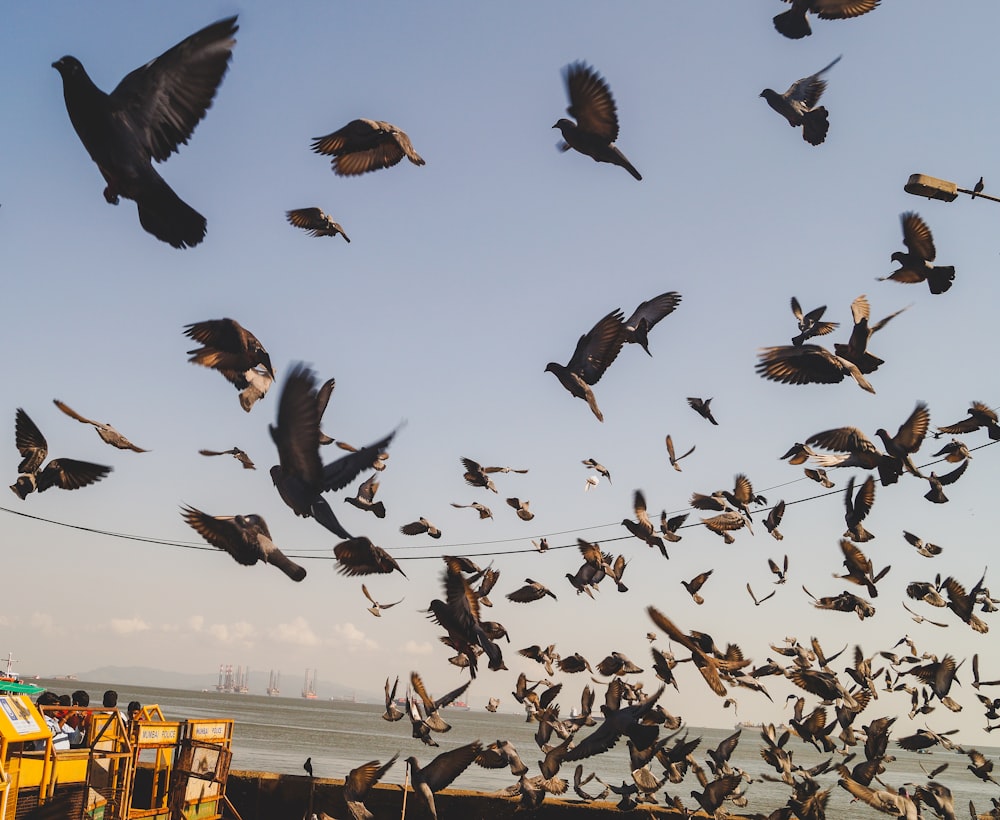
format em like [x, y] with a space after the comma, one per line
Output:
[418, 648]
[196, 623]
[354, 638]
[129, 626]
[239, 633]
[297, 632]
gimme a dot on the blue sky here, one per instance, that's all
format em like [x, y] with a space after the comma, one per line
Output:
[463, 279]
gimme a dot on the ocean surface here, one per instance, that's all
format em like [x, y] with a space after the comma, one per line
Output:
[278, 734]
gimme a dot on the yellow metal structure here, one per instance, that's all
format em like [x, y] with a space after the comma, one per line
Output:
[152, 769]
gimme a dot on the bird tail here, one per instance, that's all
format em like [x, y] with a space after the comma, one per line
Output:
[793, 24]
[939, 279]
[815, 125]
[628, 166]
[286, 565]
[167, 217]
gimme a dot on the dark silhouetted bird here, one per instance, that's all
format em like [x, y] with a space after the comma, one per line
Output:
[594, 353]
[924, 548]
[366, 145]
[978, 188]
[758, 601]
[365, 497]
[236, 353]
[856, 349]
[301, 476]
[359, 782]
[694, 586]
[773, 519]
[645, 317]
[315, 222]
[807, 364]
[441, 772]
[150, 113]
[236, 453]
[359, 556]
[105, 431]
[980, 415]
[522, 508]
[65, 473]
[596, 127]
[482, 509]
[936, 493]
[798, 105]
[245, 537]
[857, 508]
[419, 527]
[308, 766]
[391, 714]
[596, 465]
[701, 407]
[531, 591]
[810, 324]
[794, 23]
[916, 265]
[672, 455]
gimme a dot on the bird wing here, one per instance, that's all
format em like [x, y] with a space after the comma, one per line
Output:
[653, 310]
[69, 411]
[843, 440]
[309, 219]
[165, 99]
[413, 528]
[808, 90]
[31, 444]
[443, 769]
[338, 474]
[954, 475]
[296, 433]
[70, 474]
[860, 309]
[221, 531]
[911, 432]
[800, 364]
[598, 348]
[917, 236]
[360, 780]
[590, 101]
[841, 9]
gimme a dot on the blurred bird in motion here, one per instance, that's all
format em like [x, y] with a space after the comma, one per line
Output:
[798, 105]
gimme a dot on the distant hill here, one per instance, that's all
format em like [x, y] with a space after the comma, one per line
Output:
[291, 686]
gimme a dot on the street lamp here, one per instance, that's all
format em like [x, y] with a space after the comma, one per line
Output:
[934, 188]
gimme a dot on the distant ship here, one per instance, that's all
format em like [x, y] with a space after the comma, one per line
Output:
[458, 706]
[273, 684]
[309, 687]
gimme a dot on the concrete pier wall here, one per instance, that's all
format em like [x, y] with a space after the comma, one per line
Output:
[264, 796]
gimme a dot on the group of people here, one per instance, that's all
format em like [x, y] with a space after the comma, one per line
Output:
[69, 724]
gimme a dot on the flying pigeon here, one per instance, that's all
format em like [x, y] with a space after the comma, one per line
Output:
[148, 116]
[315, 222]
[596, 127]
[798, 105]
[794, 23]
[916, 265]
[366, 145]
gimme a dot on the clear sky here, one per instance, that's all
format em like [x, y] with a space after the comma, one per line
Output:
[463, 279]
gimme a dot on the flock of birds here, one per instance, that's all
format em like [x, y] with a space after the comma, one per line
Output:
[155, 109]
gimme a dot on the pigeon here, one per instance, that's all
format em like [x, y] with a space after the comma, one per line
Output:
[794, 23]
[980, 415]
[65, 473]
[818, 475]
[774, 519]
[954, 451]
[107, 433]
[977, 188]
[642, 527]
[366, 145]
[420, 526]
[315, 222]
[148, 115]
[600, 468]
[926, 549]
[236, 453]
[780, 572]
[308, 766]
[672, 455]
[359, 782]
[798, 105]
[376, 608]
[646, 316]
[897, 803]
[245, 537]
[724, 523]
[493, 704]
[365, 497]
[391, 714]
[758, 601]
[482, 509]
[810, 323]
[701, 407]
[300, 476]
[936, 493]
[807, 364]
[594, 353]
[900, 447]
[359, 556]
[441, 772]
[531, 591]
[236, 353]
[694, 586]
[856, 349]
[916, 265]
[592, 481]
[596, 127]
[857, 508]
[522, 508]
